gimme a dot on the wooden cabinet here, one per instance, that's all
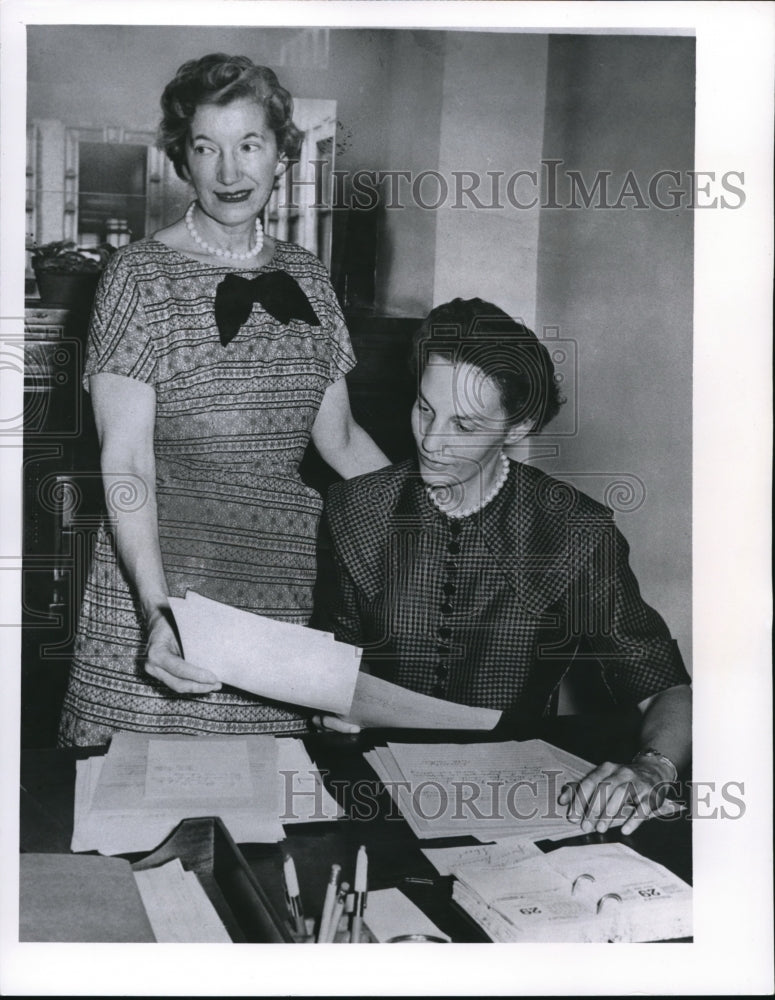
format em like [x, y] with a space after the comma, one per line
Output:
[78, 178]
[62, 502]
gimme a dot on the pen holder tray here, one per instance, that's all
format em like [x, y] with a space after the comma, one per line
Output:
[342, 935]
[205, 847]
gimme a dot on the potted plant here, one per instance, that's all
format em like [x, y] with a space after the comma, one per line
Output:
[66, 275]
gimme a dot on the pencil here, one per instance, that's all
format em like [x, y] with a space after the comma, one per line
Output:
[336, 916]
[328, 904]
[293, 896]
[361, 881]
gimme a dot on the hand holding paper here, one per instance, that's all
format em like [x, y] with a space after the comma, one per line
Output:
[165, 663]
[276, 660]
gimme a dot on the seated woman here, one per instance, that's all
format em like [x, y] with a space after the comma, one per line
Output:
[473, 578]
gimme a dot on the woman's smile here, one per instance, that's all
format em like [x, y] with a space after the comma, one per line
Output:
[233, 196]
[233, 163]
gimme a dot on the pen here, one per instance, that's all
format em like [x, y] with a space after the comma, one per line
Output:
[292, 896]
[361, 879]
[328, 904]
[336, 916]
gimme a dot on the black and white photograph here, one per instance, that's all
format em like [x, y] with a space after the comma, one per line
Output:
[386, 456]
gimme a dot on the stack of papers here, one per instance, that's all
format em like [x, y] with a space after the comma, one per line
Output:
[600, 892]
[277, 660]
[133, 797]
[485, 790]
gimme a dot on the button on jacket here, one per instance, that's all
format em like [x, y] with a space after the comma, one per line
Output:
[490, 610]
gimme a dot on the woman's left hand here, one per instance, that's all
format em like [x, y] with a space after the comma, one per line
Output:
[617, 795]
[165, 663]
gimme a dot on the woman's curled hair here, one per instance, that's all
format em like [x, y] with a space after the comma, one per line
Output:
[479, 333]
[220, 79]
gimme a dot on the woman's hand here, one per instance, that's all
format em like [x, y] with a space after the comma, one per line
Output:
[618, 795]
[334, 724]
[165, 663]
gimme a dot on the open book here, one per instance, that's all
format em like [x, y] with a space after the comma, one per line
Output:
[598, 892]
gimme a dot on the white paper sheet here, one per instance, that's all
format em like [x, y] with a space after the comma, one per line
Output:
[136, 816]
[276, 660]
[488, 790]
[499, 855]
[377, 702]
[390, 914]
[302, 795]
[178, 907]
[213, 769]
[114, 815]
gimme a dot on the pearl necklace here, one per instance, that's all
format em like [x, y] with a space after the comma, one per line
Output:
[216, 251]
[467, 511]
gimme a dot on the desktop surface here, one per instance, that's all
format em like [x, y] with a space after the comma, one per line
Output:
[371, 818]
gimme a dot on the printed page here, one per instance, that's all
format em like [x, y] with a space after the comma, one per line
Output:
[450, 807]
[486, 786]
[206, 771]
[651, 901]
[141, 770]
[116, 815]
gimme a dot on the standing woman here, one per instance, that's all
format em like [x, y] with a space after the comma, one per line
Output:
[215, 354]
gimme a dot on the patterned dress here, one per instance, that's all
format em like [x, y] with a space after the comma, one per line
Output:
[236, 523]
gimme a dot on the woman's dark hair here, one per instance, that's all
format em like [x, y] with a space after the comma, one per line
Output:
[481, 334]
[220, 79]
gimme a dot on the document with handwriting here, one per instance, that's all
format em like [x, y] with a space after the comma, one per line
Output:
[486, 790]
[133, 797]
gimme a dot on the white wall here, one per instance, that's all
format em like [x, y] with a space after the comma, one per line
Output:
[493, 120]
[618, 283]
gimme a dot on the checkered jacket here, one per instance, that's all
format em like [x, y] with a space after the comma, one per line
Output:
[491, 610]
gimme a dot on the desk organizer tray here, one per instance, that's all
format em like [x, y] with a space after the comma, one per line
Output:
[206, 847]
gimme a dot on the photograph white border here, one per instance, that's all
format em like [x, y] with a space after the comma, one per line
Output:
[732, 948]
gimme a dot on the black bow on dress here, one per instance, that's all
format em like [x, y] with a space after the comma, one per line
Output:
[276, 291]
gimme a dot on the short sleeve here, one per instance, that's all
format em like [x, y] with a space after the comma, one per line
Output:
[637, 654]
[326, 305]
[119, 339]
[342, 355]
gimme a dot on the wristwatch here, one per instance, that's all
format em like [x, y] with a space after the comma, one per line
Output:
[656, 755]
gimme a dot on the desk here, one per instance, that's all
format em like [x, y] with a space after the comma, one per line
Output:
[395, 858]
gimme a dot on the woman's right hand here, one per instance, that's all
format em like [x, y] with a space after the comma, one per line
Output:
[334, 724]
[165, 663]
